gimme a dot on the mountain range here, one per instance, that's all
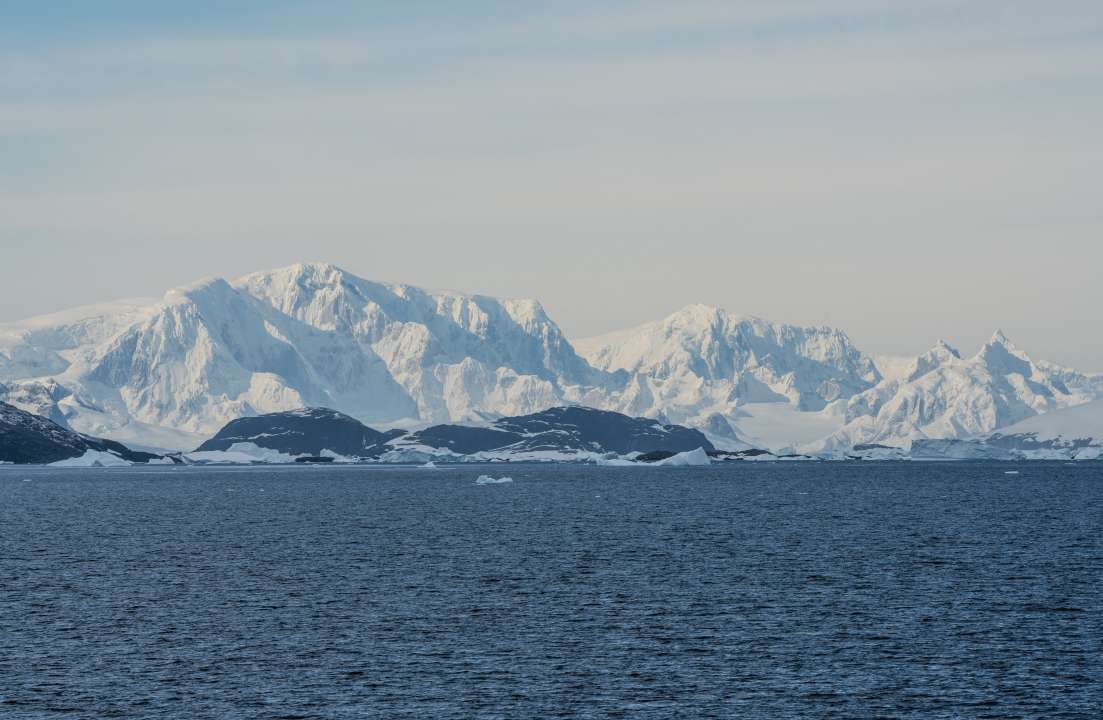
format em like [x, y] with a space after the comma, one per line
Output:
[170, 373]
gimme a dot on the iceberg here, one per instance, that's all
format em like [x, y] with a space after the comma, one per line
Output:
[687, 459]
[488, 480]
[93, 458]
[240, 454]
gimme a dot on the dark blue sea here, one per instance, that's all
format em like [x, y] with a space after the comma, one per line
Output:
[745, 591]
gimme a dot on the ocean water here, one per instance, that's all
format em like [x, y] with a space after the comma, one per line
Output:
[750, 590]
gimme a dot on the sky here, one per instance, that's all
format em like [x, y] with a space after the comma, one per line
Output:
[904, 171]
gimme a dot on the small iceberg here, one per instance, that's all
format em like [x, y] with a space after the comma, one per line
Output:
[1011, 472]
[686, 459]
[487, 480]
[429, 465]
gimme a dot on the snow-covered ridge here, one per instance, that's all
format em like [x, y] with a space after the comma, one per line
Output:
[169, 373]
[742, 379]
[947, 396]
[175, 371]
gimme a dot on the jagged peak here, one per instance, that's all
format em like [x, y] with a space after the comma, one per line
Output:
[941, 347]
[1001, 357]
[941, 354]
[317, 271]
[326, 273]
[701, 310]
[1000, 341]
[698, 314]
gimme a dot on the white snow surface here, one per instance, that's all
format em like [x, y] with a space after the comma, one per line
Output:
[1078, 422]
[169, 373]
[703, 359]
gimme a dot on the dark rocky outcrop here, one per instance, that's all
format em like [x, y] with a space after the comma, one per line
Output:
[26, 438]
[307, 431]
[565, 429]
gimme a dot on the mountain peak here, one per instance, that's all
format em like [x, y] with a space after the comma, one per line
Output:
[1001, 357]
[943, 347]
[1000, 341]
[191, 291]
[304, 271]
[315, 268]
[941, 354]
[696, 315]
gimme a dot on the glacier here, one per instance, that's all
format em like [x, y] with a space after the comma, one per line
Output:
[168, 373]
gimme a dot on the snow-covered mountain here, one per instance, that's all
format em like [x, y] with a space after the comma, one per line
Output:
[169, 373]
[172, 372]
[762, 382]
[943, 395]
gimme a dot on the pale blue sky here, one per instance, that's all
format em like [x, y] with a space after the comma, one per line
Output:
[906, 171]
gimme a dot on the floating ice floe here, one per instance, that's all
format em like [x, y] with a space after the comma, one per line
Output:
[429, 465]
[685, 459]
[487, 480]
[245, 453]
[93, 458]
[160, 461]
